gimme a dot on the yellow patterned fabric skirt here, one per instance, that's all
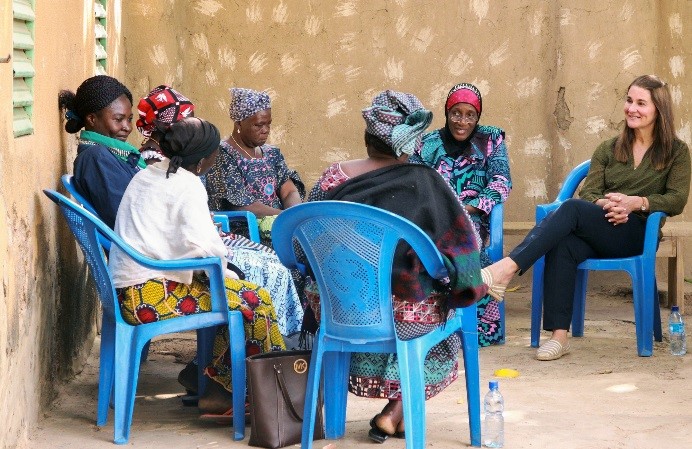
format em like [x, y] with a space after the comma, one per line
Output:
[162, 299]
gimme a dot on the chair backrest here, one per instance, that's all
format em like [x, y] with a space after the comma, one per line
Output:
[67, 182]
[572, 181]
[91, 234]
[350, 248]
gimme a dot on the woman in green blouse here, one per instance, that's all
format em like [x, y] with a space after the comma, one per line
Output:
[645, 169]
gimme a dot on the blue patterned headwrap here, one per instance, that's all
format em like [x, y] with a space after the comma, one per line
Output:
[246, 103]
[398, 119]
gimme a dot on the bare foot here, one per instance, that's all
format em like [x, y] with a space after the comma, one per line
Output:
[216, 400]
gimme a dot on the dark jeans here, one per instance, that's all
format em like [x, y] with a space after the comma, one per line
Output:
[576, 231]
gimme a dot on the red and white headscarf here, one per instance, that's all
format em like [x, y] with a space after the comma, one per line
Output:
[162, 107]
[464, 93]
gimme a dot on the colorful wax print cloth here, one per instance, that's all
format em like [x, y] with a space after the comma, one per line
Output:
[162, 299]
[480, 177]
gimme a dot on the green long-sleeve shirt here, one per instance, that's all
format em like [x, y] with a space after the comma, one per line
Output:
[666, 189]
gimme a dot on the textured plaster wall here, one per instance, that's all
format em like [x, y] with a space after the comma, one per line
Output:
[553, 74]
[48, 307]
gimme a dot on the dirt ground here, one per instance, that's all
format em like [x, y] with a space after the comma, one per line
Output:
[602, 395]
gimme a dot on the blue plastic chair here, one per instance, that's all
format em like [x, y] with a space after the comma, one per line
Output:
[224, 218]
[641, 268]
[122, 343]
[350, 248]
[495, 252]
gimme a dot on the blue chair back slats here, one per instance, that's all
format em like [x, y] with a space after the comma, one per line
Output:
[350, 249]
[122, 344]
[641, 268]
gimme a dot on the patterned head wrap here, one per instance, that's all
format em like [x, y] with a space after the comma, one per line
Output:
[465, 93]
[398, 119]
[246, 103]
[92, 95]
[163, 106]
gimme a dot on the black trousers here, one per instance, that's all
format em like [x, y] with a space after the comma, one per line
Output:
[576, 231]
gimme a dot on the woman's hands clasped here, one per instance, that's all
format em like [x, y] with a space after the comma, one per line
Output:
[619, 206]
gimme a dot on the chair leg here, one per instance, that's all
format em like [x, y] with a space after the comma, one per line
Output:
[643, 293]
[537, 301]
[311, 395]
[473, 393]
[128, 352]
[205, 346]
[503, 327]
[579, 307]
[106, 366]
[145, 352]
[410, 357]
[658, 333]
[237, 347]
[336, 392]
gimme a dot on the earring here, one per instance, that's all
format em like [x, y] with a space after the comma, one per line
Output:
[238, 131]
[199, 167]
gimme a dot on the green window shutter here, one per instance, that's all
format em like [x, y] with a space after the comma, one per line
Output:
[100, 34]
[23, 10]
[22, 66]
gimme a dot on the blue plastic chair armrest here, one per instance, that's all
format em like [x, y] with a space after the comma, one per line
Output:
[496, 238]
[239, 215]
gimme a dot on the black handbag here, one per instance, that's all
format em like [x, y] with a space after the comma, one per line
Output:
[276, 393]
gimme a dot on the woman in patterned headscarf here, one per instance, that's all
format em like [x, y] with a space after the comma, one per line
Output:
[250, 174]
[157, 111]
[394, 126]
[473, 160]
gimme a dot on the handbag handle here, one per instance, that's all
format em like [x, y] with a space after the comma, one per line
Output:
[278, 370]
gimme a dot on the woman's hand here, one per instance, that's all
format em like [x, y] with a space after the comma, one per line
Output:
[472, 210]
[619, 206]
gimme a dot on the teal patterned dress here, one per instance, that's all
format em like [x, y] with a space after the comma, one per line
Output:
[480, 177]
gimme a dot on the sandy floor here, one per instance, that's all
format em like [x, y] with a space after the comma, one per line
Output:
[600, 396]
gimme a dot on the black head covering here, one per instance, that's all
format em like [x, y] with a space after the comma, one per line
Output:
[188, 141]
[92, 95]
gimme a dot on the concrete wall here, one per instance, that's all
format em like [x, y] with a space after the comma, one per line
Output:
[48, 307]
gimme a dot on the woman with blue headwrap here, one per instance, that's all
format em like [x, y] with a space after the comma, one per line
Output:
[394, 127]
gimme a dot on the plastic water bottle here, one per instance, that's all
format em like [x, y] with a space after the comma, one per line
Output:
[494, 425]
[676, 332]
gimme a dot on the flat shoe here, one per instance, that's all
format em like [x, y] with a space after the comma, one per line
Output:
[378, 435]
[497, 291]
[552, 350]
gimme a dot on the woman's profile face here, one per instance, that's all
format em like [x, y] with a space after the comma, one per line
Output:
[115, 120]
[254, 130]
[640, 111]
[461, 120]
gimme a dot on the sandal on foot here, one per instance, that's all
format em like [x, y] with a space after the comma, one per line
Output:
[552, 350]
[378, 435]
[497, 291]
